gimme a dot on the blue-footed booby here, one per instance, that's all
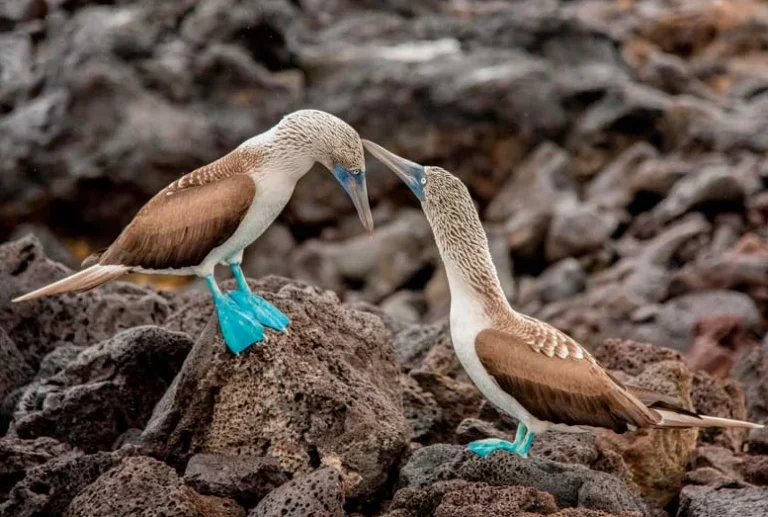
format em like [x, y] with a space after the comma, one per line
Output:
[210, 215]
[525, 367]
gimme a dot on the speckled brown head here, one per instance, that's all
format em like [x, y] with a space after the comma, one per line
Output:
[333, 143]
[459, 234]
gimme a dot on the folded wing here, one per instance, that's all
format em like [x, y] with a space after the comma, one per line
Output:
[180, 226]
[570, 389]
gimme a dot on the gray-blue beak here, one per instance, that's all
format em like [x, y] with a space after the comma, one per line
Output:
[410, 172]
[355, 186]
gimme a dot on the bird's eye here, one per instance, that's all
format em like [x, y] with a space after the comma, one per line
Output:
[355, 171]
[423, 181]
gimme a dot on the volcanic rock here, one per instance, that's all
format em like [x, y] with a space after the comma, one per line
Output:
[49, 488]
[325, 392]
[108, 389]
[318, 493]
[570, 485]
[145, 486]
[39, 326]
[245, 479]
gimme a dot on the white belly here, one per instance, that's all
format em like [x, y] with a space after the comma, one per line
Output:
[468, 319]
[271, 197]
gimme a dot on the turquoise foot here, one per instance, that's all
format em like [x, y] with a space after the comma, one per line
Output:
[238, 328]
[491, 445]
[266, 313]
[521, 445]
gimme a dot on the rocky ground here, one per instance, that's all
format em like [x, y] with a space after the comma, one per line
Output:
[615, 150]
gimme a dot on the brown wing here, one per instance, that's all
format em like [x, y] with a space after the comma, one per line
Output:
[562, 390]
[181, 225]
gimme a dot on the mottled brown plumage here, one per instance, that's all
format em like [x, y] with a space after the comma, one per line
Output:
[181, 225]
[565, 390]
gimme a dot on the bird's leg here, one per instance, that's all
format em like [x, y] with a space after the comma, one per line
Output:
[526, 444]
[262, 310]
[239, 329]
[521, 445]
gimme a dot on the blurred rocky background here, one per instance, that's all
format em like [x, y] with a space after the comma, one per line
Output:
[615, 149]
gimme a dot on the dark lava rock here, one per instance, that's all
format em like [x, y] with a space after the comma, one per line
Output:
[708, 501]
[53, 248]
[473, 429]
[413, 344]
[572, 485]
[39, 326]
[457, 400]
[326, 391]
[17, 456]
[108, 389]
[577, 229]
[679, 315]
[464, 498]
[246, 479]
[14, 371]
[57, 360]
[318, 493]
[722, 398]
[752, 371]
[421, 410]
[144, 486]
[49, 488]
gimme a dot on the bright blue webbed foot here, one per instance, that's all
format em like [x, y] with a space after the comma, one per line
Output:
[239, 329]
[266, 313]
[261, 309]
[491, 445]
[521, 445]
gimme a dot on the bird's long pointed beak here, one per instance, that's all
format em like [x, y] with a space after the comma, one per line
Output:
[356, 188]
[359, 194]
[409, 172]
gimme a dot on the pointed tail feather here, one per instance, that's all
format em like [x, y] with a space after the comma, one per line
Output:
[84, 280]
[672, 419]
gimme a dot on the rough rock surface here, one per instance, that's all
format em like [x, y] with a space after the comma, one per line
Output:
[723, 502]
[145, 486]
[318, 493]
[49, 488]
[39, 326]
[326, 392]
[108, 389]
[15, 371]
[752, 371]
[571, 486]
[615, 151]
[246, 479]
[18, 456]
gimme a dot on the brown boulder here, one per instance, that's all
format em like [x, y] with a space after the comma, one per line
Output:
[243, 478]
[656, 459]
[144, 486]
[327, 391]
[319, 493]
[15, 372]
[571, 485]
[109, 388]
[39, 326]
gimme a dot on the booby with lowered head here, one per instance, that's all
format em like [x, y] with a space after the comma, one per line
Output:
[526, 367]
[210, 215]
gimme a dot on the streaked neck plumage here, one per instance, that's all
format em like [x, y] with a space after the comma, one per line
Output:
[463, 246]
[277, 152]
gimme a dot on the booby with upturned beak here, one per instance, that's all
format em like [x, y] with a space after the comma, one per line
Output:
[525, 367]
[210, 215]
